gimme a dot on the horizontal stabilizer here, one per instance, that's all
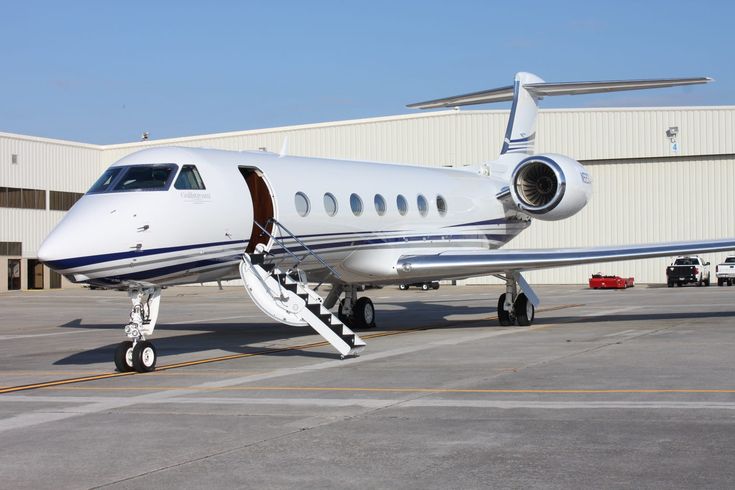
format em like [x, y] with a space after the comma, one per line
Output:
[539, 90]
[502, 94]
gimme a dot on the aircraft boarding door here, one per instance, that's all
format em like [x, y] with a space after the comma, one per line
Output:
[262, 207]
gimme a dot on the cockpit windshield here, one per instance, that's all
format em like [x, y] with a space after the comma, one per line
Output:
[155, 177]
[103, 183]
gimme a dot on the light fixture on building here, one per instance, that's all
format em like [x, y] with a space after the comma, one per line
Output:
[672, 132]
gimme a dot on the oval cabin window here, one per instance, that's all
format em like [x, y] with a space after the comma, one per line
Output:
[356, 204]
[330, 204]
[380, 206]
[302, 204]
[402, 205]
[422, 204]
[441, 205]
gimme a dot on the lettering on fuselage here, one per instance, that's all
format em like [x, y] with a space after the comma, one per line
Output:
[196, 197]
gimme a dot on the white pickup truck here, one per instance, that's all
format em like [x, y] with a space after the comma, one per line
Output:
[686, 270]
[725, 271]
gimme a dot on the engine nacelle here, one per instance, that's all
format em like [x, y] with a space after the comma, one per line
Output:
[550, 187]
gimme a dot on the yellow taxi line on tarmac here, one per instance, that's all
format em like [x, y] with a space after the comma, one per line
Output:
[60, 382]
[97, 377]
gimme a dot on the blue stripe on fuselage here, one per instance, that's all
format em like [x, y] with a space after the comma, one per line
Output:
[98, 259]
[172, 269]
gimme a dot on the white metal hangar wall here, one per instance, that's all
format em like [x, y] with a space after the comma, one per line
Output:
[645, 190]
[39, 180]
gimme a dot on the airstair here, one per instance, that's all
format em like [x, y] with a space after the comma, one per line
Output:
[285, 295]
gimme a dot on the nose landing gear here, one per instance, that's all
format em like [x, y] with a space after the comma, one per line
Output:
[139, 354]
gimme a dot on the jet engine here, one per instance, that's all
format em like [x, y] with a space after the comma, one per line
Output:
[550, 187]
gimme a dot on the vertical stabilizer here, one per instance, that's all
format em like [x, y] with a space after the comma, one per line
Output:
[520, 135]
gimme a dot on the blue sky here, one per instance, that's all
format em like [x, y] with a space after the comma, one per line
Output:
[103, 72]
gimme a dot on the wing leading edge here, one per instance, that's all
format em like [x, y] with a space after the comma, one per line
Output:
[455, 264]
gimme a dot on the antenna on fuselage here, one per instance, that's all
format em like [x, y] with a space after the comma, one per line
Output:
[284, 148]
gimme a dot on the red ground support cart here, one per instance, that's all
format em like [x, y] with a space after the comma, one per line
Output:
[598, 281]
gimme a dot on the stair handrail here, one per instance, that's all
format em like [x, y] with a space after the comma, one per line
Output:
[298, 240]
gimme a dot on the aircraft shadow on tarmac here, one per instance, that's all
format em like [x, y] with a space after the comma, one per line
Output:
[237, 338]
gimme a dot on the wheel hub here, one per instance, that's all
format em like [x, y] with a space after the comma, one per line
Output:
[369, 314]
[148, 356]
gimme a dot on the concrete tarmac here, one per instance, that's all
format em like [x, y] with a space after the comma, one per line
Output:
[608, 389]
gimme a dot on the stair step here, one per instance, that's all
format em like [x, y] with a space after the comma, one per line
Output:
[349, 339]
[257, 259]
[268, 267]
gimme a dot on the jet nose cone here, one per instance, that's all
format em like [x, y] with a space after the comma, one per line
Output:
[49, 250]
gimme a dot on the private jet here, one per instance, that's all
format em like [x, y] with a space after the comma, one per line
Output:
[285, 225]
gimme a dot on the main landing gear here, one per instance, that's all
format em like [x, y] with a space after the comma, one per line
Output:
[139, 354]
[513, 307]
[357, 314]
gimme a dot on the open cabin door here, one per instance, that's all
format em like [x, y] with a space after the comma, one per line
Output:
[262, 206]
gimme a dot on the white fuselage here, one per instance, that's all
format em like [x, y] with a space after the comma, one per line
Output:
[173, 236]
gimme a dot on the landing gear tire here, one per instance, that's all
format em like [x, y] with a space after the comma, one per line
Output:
[504, 317]
[523, 310]
[124, 357]
[425, 287]
[144, 357]
[364, 314]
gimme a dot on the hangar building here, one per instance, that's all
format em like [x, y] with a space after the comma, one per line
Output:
[660, 174]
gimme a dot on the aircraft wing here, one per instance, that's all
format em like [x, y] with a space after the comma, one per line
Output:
[473, 263]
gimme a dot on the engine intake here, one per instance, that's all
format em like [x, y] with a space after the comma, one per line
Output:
[550, 187]
[539, 184]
